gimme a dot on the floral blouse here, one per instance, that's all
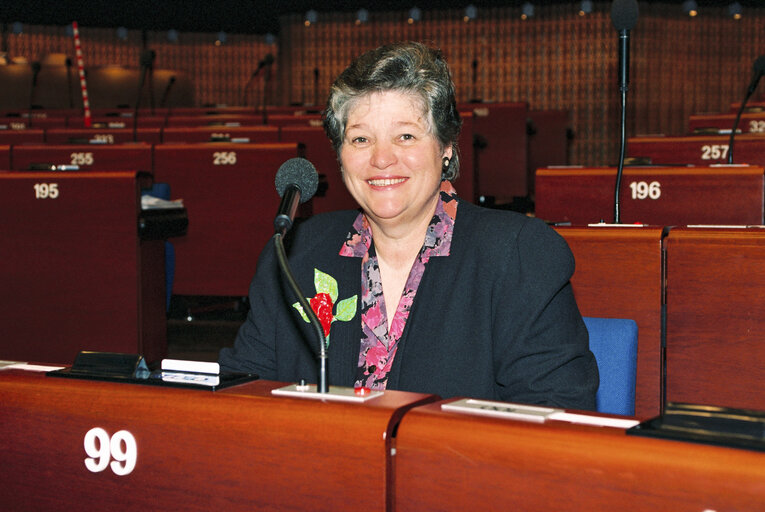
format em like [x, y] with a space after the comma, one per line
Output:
[378, 344]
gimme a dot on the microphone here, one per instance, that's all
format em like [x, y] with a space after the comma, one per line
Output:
[68, 63]
[266, 62]
[624, 14]
[35, 72]
[166, 93]
[147, 64]
[757, 71]
[297, 181]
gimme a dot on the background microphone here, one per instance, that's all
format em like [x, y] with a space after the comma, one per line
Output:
[33, 88]
[296, 182]
[624, 15]
[266, 62]
[166, 93]
[757, 72]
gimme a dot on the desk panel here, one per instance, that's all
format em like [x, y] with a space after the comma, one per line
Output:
[237, 449]
[74, 273]
[228, 191]
[501, 150]
[89, 157]
[698, 149]
[247, 134]
[619, 275]
[749, 123]
[28, 136]
[653, 195]
[716, 316]
[447, 461]
[102, 135]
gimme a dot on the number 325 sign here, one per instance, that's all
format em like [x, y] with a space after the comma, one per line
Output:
[119, 452]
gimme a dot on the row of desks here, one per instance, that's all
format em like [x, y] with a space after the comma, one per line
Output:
[108, 446]
[696, 295]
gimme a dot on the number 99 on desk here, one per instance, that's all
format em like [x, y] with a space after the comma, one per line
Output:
[118, 452]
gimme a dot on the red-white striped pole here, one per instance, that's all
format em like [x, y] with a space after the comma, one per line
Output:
[81, 68]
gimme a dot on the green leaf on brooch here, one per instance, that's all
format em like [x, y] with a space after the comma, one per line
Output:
[301, 311]
[325, 283]
[346, 309]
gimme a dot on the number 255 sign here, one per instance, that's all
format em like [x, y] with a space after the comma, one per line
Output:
[118, 452]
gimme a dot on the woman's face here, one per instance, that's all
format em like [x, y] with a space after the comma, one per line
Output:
[391, 162]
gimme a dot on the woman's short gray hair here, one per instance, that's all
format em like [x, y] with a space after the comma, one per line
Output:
[408, 67]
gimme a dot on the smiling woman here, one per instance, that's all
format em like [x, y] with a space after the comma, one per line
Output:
[453, 299]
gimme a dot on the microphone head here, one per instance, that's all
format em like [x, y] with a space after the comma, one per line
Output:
[759, 65]
[624, 14]
[300, 173]
[268, 59]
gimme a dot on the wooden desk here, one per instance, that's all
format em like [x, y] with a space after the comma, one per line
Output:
[28, 136]
[248, 134]
[102, 135]
[619, 275]
[229, 193]
[749, 123]
[698, 149]
[75, 275]
[501, 153]
[653, 195]
[448, 461]
[89, 157]
[716, 316]
[218, 120]
[237, 449]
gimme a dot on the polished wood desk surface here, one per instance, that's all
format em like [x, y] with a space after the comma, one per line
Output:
[103, 135]
[653, 195]
[619, 275]
[27, 136]
[75, 274]
[90, 157]
[753, 122]
[251, 134]
[716, 316]
[240, 448]
[449, 461]
[698, 149]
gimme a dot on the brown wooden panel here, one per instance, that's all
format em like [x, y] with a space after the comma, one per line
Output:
[716, 316]
[28, 136]
[247, 134]
[549, 141]
[5, 157]
[446, 461]
[698, 149]
[749, 123]
[102, 135]
[237, 449]
[229, 194]
[24, 122]
[653, 195]
[74, 274]
[501, 155]
[220, 120]
[619, 275]
[89, 157]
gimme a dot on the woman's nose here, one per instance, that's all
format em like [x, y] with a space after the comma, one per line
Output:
[383, 155]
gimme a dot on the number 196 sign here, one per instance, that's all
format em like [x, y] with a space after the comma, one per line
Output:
[119, 452]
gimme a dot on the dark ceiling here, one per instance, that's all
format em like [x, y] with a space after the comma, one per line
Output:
[239, 16]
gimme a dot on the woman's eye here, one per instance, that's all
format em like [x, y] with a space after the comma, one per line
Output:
[359, 140]
[407, 136]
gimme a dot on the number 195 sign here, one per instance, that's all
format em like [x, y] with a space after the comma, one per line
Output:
[118, 452]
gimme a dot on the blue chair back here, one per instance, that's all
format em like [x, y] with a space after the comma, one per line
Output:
[614, 341]
[162, 191]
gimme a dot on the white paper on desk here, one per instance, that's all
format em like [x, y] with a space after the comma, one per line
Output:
[586, 419]
[29, 367]
[155, 203]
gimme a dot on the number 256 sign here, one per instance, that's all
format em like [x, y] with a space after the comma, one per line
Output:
[118, 452]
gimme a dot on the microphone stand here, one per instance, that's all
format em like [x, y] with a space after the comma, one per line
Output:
[281, 256]
[622, 151]
[759, 67]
